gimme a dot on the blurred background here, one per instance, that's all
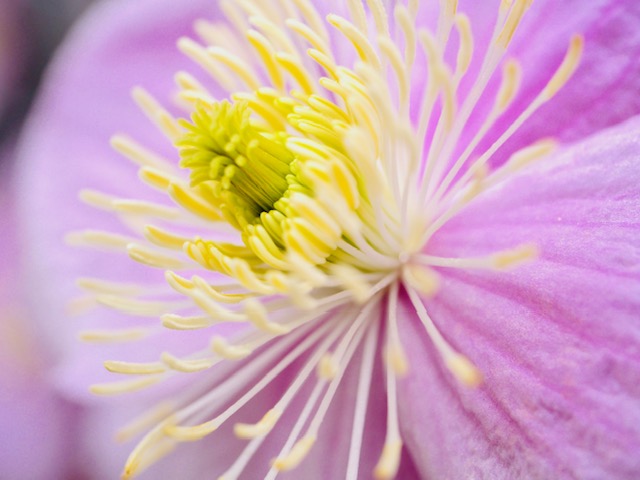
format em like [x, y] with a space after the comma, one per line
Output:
[30, 31]
[38, 438]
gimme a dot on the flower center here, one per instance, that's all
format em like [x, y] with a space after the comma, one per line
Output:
[246, 168]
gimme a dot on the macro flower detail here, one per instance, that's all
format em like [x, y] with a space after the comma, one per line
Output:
[293, 244]
[328, 199]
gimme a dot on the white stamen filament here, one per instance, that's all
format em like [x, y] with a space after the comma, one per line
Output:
[362, 399]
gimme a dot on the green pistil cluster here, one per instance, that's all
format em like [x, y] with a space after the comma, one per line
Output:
[248, 169]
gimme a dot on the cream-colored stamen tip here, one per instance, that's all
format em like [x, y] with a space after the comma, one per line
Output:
[387, 466]
[296, 455]
[464, 370]
[248, 431]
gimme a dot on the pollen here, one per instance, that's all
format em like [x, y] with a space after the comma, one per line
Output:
[300, 205]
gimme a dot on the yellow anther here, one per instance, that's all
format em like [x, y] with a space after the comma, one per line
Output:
[130, 368]
[423, 279]
[296, 455]
[259, 317]
[465, 50]
[236, 65]
[105, 287]
[327, 367]
[387, 466]
[352, 280]
[518, 9]
[397, 359]
[464, 370]
[158, 179]
[164, 238]
[511, 76]
[325, 62]
[138, 154]
[178, 283]
[293, 66]
[185, 365]
[515, 257]
[527, 155]
[360, 42]
[143, 208]
[315, 40]
[151, 258]
[126, 386]
[567, 67]
[266, 52]
[156, 113]
[114, 336]
[150, 449]
[99, 239]
[346, 183]
[194, 203]
[248, 431]
[193, 433]
[98, 200]
[177, 322]
[134, 306]
[144, 421]
[221, 347]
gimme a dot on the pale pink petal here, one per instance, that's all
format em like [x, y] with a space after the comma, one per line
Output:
[36, 425]
[558, 340]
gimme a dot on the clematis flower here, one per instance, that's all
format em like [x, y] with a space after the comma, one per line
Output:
[381, 239]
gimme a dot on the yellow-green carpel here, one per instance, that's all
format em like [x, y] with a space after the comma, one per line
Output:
[247, 168]
[298, 201]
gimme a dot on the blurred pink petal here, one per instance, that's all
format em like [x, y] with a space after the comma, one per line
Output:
[37, 425]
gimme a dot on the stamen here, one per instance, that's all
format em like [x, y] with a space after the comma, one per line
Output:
[389, 461]
[460, 366]
[98, 239]
[125, 386]
[566, 69]
[295, 456]
[156, 113]
[151, 258]
[248, 431]
[130, 368]
[115, 336]
[362, 398]
[465, 51]
[220, 346]
[138, 154]
[144, 421]
[186, 365]
[497, 261]
[396, 358]
[196, 432]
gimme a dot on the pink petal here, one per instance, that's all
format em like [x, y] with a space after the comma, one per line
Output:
[36, 424]
[558, 340]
